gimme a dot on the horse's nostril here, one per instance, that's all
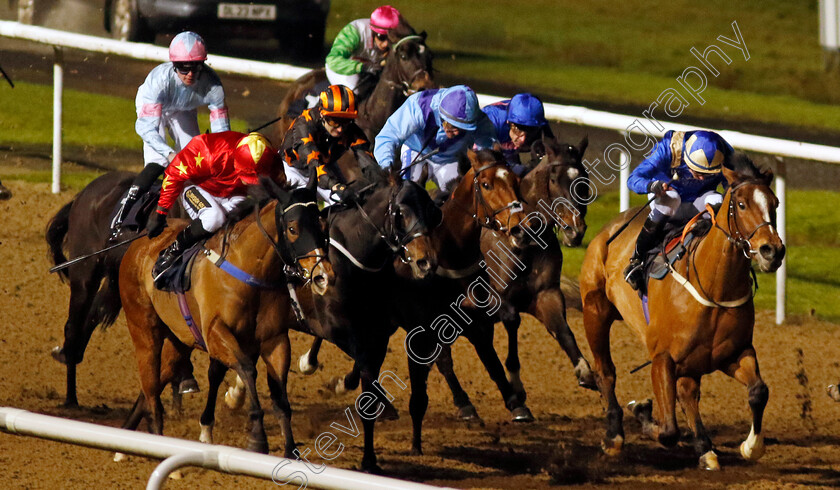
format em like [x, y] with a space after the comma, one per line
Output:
[423, 265]
[320, 281]
[516, 232]
[766, 251]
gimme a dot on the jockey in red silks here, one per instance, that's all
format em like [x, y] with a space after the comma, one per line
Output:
[167, 102]
[219, 168]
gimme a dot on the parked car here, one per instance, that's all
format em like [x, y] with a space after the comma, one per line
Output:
[298, 24]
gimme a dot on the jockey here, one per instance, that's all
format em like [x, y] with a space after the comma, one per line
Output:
[445, 121]
[519, 122]
[318, 137]
[167, 100]
[361, 47]
[681, 175]
[219, 167]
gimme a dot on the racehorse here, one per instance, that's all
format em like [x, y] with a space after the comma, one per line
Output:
[79, 228]
[696, 325]
[408, 69]
[527, 278]
[235, 322]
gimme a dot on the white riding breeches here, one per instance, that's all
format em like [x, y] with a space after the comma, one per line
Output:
[442, 174]
[350, 81]
[671, 206]
[182, 126]
[207, 208]
[297, 179]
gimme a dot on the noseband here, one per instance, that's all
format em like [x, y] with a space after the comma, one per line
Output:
[490, 220]
[294, 272]
[735, 236]
[391, 237]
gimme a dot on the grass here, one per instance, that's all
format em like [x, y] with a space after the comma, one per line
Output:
[74, 180]
[97, 120]
[629, 52]
[813, 247]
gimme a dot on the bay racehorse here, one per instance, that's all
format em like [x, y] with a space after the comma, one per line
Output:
[408, 69]
[234, 321]
[527, 277]
[697, 325]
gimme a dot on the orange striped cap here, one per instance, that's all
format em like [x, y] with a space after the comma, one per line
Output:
[338, 101]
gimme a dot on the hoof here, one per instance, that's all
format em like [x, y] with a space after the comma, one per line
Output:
[585, 376]
[305, 367]
[833, 392]
[388, 413]
[753, 448]
[416, 451]
[176, 475]
[70, 403]
[371, 468]
[5, 193]
[57, 353]
[188, 386]
[468, 413]
[338, 386]
[613, 447]
[233, 401]
[642, 411]
[258, 446]
[118, 457]
[206, 434]
[521, 414]
[709, 462]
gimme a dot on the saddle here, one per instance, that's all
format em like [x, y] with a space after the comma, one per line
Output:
[177, 279]
[678, 237]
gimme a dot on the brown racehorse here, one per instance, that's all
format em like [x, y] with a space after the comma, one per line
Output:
[408, 69]
[685, 338]
[238, 322]
[527, 278]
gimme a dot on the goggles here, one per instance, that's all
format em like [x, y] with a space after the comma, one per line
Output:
[185, 68]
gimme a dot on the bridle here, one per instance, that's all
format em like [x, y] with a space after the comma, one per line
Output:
[561, 164]
[491, 220]
[735, 236]
[293, 272]
[390, 234]
[405, 82]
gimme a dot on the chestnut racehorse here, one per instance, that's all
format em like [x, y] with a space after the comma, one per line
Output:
[698, 325]
[527, 277]
[237, 321]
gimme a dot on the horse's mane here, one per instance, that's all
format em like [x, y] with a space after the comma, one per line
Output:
[402, 30]
[744, 166]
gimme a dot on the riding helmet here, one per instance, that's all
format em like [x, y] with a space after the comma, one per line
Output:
[704, 152]
[338, 101]
[526, 110]
[187, 46]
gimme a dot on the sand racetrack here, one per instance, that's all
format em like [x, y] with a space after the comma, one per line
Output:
[562, 446]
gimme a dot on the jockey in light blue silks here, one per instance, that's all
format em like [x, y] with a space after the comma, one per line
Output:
[444, 120]
[518, 122]
[682, 172]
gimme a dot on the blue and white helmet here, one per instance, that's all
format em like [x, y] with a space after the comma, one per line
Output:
[705, 151]
[526, 110]
[459, 107]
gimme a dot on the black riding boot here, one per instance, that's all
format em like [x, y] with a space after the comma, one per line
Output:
[141, 185]
[188, 237]
[648, 237]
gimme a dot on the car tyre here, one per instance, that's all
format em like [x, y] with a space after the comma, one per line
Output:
[126, 23]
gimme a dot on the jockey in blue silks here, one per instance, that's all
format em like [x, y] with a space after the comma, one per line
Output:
[682, 172]
[518, 122]
[444, 120]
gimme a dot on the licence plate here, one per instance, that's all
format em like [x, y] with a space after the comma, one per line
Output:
[247, 11]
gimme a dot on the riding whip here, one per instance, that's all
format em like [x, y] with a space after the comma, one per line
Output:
[269, 123]
[6, 76]
[84, 257]
[420, 159]
[640, 366]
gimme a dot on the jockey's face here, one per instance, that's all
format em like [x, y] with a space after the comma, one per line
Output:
[381, 42]
[188, 72]
[450, 130]
[700, 175]
[335, 125]
[520, 135]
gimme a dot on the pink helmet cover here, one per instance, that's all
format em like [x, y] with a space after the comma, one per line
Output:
[384, 18]
[187, 46]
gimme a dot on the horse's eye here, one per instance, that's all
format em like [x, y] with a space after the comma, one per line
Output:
[485, 185]
[292, 230]
[741, 205]
[403, 56]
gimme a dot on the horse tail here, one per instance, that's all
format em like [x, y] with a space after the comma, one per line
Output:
[106, 304]
[571, 291]
[56, 232]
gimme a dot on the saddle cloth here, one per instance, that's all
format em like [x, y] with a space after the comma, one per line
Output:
[673, 247]
[176, 279]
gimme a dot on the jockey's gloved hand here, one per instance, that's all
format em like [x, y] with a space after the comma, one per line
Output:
[657, 187]
[157, 222]
[341, 192]
[374, 69]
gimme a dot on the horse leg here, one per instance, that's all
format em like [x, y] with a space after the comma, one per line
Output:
[512, 364]
[278, 356]
[466, 410]
[661, 426]
[481, 337]
[745, 370]
[222, 345]
[370, 365]
[350, 381]
[598, 316]
[215, 375]
[550, 309]
[308, 362]
[688, 393]
[418, 403]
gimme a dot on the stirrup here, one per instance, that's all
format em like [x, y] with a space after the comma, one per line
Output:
[634, 275]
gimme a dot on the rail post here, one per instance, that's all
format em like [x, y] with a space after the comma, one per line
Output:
[781, 225]
[58, 91]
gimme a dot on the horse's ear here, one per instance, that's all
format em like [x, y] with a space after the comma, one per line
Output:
[395, 171]
[274, 190]
[473, 158]
[584, 143]
[463, 164]
[423, 35]
[767, 176]
[730, 175]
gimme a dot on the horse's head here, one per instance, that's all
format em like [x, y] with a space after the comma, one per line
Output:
[495, 193]
[751, 213]
[412, 216]
[409, 64]
[304, 233]
[557, 180]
